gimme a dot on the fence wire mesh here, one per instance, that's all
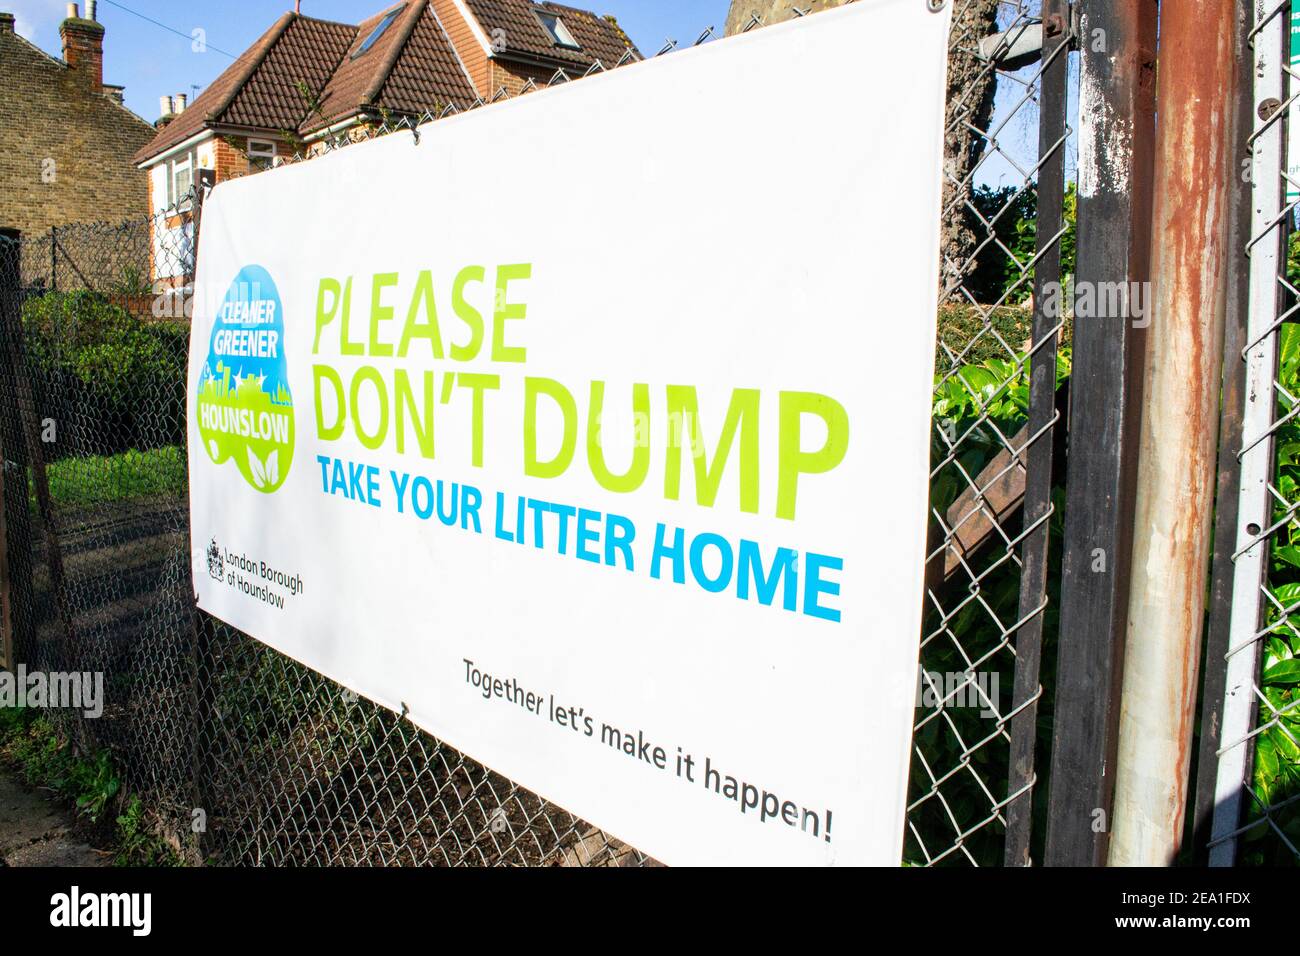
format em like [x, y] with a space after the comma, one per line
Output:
[978, 600]
[1257, 793]
[243, 756]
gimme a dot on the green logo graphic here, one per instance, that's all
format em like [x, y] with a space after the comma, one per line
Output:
[244, 406]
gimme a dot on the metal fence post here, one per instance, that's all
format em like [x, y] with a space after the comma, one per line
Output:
[1043, 419]
[1116, 105]
[13, 459]
[203, 661]
[1253, 531]
[1180, 415]
[10, 291]
[26, 433]
[1236, 313]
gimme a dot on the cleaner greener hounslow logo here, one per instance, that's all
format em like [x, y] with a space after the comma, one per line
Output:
[244, 406]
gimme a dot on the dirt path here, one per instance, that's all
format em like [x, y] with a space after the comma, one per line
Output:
[37, 831]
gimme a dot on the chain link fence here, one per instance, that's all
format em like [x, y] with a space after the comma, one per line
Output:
[245, 757]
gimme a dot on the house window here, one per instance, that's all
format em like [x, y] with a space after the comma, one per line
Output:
[261, 155]
[182, 178]
[559, 32]
[378, 31]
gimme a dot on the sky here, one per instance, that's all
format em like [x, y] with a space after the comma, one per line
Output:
[153, 59]
[150, 61]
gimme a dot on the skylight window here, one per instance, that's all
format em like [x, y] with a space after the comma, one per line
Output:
[558, 31]
[378, 31]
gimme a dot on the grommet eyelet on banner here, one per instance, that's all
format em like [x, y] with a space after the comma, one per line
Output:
[934, 6]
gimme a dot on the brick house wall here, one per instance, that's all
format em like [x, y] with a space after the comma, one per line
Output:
[514, 77]
[65, 143]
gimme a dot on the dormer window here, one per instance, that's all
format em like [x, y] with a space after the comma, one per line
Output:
[379, 30]
[560, 34]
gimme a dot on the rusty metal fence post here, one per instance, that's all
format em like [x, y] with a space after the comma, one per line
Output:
[1236, 314]
[1179, 431]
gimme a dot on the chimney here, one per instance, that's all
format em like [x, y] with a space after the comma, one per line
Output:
[6, 23]
[83, 47]
[181, 100]
[166, 112]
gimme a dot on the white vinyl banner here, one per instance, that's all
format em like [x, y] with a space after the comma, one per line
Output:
[591, 429]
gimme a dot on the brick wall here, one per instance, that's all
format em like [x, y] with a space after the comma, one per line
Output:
[65, 149]
[230, 158]
[514, 76]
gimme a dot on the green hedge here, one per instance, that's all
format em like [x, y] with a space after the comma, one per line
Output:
[110, 381]
[960, 325]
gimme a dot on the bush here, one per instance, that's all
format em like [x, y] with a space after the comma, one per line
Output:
[109, 381]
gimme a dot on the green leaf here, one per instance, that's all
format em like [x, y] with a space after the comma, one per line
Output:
[1283, 672]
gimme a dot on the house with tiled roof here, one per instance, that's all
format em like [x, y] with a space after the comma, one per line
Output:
[306, 80]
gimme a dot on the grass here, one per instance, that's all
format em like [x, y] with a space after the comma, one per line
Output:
[98, 479]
